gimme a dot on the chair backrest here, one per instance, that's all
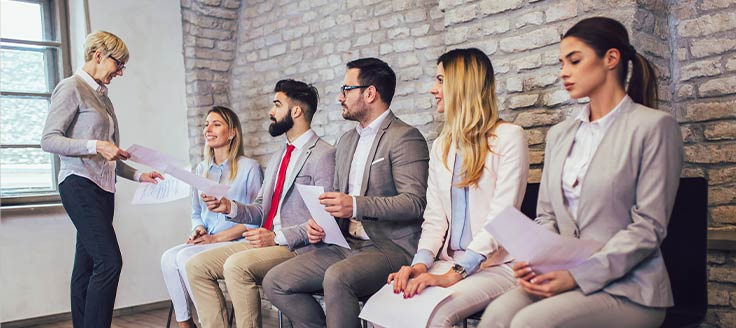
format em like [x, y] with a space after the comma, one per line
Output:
[684, 251]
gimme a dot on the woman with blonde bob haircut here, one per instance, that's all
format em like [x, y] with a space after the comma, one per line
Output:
[82, 129]
[478, 166]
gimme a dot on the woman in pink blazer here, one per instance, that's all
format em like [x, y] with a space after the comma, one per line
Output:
[478, 166]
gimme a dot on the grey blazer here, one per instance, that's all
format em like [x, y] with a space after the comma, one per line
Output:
[78, 114]
[627, 197]
[315, 166]
[393, 189]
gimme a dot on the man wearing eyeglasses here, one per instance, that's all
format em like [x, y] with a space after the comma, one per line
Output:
[380, 182]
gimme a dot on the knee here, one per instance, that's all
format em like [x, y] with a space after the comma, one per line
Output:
[196, 266]
[496, 316]
[527, 318]
[236, 268]
[336, 279]
[110, 265]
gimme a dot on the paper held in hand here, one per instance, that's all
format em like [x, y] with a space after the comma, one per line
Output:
[310, 195]
[167, 190]
[392, 310]
[529, 242]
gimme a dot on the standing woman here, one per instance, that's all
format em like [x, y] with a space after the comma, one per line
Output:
[478, 166]
[82, 129]
[627, 158]
[224, 163]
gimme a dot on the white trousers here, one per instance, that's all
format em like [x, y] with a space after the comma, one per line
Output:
[173, 263]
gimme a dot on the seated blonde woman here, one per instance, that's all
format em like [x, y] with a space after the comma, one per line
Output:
[224, 163]
[478, 166]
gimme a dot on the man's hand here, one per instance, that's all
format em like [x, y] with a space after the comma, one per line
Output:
[315, 233]
[338, 204]
[150, 177]
[260, 237]
[221, 205]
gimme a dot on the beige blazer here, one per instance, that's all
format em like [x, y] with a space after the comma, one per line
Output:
[501, 185]
[626, 200]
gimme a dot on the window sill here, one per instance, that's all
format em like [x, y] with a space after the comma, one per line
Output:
[30, 207]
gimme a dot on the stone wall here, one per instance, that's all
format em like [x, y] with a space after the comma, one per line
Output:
[236, 51]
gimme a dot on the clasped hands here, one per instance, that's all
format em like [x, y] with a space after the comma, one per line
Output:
[412, 280]
[544, 285]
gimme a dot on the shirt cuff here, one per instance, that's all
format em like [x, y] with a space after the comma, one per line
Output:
[233, 209]
[280, 239]
[137, 175]
[355, 207]
[471, 260]
[423, 256]
[92, 147]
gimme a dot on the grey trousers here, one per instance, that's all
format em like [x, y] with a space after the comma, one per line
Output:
[345, 275]
[516, 308]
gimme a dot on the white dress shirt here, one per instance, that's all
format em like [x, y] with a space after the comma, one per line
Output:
[299, 144]
[587, 139]
[357, 169]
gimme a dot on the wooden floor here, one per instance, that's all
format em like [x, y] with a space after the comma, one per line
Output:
[157, 319]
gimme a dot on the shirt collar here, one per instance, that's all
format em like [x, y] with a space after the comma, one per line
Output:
[373, 126]
[100, 89]
[225, 164]
[605, 121]
[302, 140]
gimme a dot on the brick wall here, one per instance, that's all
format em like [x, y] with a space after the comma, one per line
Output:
[236, 51]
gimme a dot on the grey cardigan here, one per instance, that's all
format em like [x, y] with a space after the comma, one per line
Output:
[79, 114]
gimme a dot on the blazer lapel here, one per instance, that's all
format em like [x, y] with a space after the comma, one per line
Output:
[270, 181]
[352, 141]
[555, 188]
[372, 154]
[300, 162]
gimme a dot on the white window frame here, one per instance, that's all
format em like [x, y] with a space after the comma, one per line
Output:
[56, 29]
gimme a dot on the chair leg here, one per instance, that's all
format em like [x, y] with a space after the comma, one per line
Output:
[232, 317]
[465, 323]
[171, 311]
[281, 319]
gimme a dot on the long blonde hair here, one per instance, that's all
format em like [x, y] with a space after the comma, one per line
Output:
[235, 149]
[471, 110]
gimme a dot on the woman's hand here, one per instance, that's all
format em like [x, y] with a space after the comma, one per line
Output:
[221, 205]
[150, 177]
[110, 151]
[205, 239]
[260, 237]
[196, 233]
[401, 278]
[549, 284]
[315, 233]
[418, 284]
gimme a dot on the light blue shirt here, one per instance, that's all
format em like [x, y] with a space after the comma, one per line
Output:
[244, 188]
[461, 235]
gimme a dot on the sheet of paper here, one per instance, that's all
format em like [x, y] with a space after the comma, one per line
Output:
[391, 310]
[208, 187]
[166, 190]
[545, 250]
[310, 195]
[152, 157]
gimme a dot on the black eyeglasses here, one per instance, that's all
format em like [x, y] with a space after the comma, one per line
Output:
[118, 63]
[345, 88]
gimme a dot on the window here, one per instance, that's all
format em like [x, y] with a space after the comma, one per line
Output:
[34, 57]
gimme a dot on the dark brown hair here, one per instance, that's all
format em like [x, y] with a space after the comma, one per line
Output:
[602, 34]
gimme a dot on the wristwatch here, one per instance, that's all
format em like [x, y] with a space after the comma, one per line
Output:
[460, 269]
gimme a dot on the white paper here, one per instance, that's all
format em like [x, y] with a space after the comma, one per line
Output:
[166, 190]
[310, 195]
[545, 250]
[391, 310]
[208, 187]
[152, 158]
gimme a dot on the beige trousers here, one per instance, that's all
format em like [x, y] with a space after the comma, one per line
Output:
[243, 268]
[572, 309]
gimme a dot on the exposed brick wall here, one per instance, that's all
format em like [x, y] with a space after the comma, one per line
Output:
[235, 52]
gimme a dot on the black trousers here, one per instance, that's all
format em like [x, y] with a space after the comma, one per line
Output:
[97, 261]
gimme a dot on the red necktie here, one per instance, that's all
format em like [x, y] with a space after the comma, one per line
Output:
[279, 188]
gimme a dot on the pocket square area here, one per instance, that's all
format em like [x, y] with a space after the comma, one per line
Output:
[378, 160]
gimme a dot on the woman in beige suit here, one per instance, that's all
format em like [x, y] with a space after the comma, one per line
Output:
[478, 166]
[610, 175]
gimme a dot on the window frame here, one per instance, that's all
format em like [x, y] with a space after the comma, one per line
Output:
[58, 66]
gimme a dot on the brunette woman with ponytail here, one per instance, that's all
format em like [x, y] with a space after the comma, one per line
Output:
[610, 175]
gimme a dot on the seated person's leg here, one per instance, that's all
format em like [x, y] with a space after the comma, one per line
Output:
[174, 283]
[203, 271]
[289, 285]
[243, 271]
